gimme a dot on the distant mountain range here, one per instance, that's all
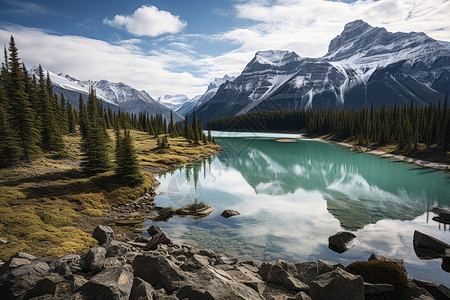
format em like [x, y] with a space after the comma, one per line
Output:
[117, 96]
[364, 65]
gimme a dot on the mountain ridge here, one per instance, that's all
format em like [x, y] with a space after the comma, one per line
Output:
[364, 65]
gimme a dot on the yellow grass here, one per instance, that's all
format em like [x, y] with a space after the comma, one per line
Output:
[45, 205]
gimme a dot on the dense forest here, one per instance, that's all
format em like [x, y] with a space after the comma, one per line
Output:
[33, 120]
[405, 126]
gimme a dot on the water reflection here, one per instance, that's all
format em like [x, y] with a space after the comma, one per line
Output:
[293, 196]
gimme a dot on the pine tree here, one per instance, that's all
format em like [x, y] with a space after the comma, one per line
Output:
[51, 134]
[94, 144]
[71, 118]
[10, 151]
[22, 114]
[127, 163]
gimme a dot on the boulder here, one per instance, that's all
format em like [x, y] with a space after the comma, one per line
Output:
[158, 271]
[108, 262]
[230, 213]
[280, 276]
[211, 283]
[92, 257]
[141, 290]
[264, 270]
[152, 230]
[337, 284]
[110, 284]
[19, 280]
[446, 261]
[324, 266]
[45, 286]
[103, 234]
[341, 241]
[158, 238]
[438, 291]
[427, 247]
[372, 289]
[307, 271]
[117, 248]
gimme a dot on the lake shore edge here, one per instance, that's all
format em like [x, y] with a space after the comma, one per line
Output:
[157, 268]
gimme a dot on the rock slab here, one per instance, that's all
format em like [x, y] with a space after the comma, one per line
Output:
[337, 284]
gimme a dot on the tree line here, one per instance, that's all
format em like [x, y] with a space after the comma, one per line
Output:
[406, 126]
[33, 120]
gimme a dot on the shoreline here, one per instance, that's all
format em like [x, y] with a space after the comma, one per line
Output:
[440, 166]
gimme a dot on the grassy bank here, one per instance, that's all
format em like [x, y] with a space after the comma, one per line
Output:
[49, 207]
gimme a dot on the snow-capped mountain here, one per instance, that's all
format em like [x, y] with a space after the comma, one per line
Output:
[364, 65]
[173, 102]
[188, 106]
[118, 96]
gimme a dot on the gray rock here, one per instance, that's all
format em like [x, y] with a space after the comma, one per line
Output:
[47, 285]
[92, 257]
[307, 271]
[230, 213]
[341, 241]
[324, 266]
[158, 271]
[301, 296]
[3, 241]
[152, 230]
[397, 261]
[22, 279]
[427, 247]
[157, 239]
[446, 261]
[78, 282]
[438, 291]
[108, 262]
[110, 284]
[141, 290]
[117, 248]
[280, 276]
[211, 283]
[73, 260]
[103, 234]
[337, 284]
[372, 289]
[264, 270]
[249, 278]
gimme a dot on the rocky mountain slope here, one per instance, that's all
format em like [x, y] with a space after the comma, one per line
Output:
[364, 65]
[118, 96]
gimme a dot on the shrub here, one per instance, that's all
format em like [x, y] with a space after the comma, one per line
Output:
[376, 271]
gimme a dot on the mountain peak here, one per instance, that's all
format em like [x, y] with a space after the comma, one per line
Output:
[351, 31]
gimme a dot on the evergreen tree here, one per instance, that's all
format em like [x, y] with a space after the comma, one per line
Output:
[22, 114]
[10, 151]
[127, 163]
[94, 144]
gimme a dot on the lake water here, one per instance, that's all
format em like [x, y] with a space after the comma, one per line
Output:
[293, 196]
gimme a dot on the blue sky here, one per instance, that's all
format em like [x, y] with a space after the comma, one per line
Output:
[175, 46]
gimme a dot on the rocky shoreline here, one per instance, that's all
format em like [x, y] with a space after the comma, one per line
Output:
[157, 268]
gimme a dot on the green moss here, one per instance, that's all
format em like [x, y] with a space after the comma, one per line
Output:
[376, 271]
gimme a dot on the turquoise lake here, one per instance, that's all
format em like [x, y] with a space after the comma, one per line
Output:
[293, 196]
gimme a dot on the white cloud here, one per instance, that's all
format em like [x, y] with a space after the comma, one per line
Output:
[148, 21]
[307, 26]
[86, 58]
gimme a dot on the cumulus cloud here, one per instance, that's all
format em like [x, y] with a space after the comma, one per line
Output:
[86, 58]
[148, 21]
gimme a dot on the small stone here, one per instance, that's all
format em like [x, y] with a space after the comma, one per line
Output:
[157, 239]
[3, 241]
[230, 213]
